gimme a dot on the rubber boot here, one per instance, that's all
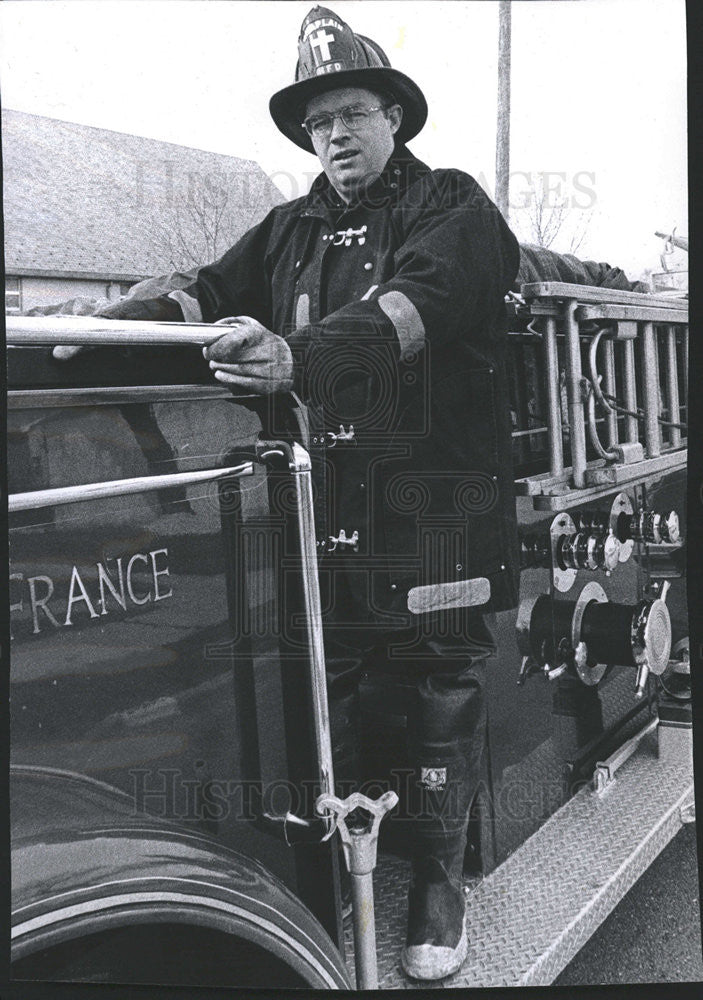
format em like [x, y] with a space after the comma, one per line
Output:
[446, 779]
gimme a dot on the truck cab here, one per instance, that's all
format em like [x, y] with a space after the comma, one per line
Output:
[170, 737]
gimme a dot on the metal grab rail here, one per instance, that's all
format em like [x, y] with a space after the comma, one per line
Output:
[644, 343]
[36, 499]
[92, 331]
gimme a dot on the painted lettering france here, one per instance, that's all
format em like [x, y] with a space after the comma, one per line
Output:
[128, 581]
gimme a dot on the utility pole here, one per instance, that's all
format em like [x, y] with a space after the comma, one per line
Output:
[503, 122]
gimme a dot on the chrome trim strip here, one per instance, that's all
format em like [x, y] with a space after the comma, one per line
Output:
[34, 398]
[119, 487]
[92, 331]
[148, 896]
[300, 468]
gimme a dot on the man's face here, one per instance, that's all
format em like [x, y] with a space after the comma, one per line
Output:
[353, 159]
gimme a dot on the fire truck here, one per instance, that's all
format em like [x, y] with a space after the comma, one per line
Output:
[173, 747]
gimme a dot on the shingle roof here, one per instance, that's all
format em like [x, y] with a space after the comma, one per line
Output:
[91, 201]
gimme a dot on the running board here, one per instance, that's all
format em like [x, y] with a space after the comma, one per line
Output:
[531, 916]
[534, 913]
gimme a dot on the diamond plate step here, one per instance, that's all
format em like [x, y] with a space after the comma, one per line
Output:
[530, 916]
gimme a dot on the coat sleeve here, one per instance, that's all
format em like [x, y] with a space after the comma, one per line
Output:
[455, 261]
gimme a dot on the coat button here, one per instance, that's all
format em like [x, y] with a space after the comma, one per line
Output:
[394, 586]
[368, 265]
[362, 486]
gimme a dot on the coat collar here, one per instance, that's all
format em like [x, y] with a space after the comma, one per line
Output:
[401, 171]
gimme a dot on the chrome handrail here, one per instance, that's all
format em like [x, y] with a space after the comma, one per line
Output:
[93, 331]
[36, 499]
[300, 469]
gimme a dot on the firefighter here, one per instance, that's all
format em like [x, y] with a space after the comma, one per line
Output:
[379, 299]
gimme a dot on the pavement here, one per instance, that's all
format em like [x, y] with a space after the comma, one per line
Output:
[654, 934]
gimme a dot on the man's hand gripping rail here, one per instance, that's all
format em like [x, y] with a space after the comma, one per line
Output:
[248, 357]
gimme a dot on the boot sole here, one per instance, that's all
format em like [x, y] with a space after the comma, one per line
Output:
[429, 961]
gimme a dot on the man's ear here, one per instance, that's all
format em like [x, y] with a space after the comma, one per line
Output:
[395, 117]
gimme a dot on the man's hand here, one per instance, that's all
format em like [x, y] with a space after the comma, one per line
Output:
[251, 358]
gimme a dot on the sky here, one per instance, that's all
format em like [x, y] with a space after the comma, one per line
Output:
[598, 93]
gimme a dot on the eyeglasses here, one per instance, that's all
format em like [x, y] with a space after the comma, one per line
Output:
[319, 126]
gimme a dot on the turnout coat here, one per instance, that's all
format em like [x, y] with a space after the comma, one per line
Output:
[394, 310]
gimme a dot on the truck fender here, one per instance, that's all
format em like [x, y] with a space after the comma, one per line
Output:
[83, 861]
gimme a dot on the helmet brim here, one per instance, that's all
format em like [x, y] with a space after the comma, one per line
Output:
[287, 106]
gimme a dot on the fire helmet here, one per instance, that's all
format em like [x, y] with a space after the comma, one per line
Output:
[330, 56]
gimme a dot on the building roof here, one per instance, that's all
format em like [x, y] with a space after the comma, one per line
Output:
[85, 201]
